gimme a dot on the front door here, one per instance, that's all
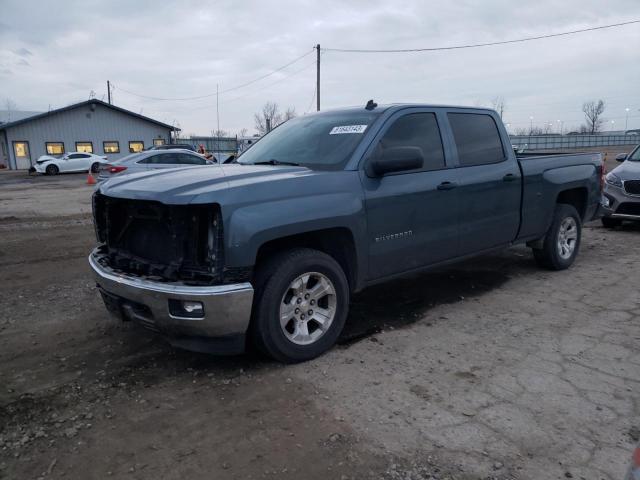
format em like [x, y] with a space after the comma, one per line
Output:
[412, 216]
[22, 155]
[489, 184]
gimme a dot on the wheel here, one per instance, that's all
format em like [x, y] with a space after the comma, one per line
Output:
[52, 169]
[95, 168]
[562, 241]
[609, 222]
[300, 305]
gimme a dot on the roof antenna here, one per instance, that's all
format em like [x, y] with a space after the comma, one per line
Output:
[371, 105]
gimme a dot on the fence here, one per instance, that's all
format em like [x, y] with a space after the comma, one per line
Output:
[559, 142]
[228, 145]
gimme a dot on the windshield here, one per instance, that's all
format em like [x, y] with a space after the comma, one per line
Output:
[323, 142]
[635, 155]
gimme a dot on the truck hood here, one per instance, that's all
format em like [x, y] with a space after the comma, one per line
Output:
[205, 184]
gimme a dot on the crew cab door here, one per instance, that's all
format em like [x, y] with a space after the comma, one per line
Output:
[489, 179]
[411, 215]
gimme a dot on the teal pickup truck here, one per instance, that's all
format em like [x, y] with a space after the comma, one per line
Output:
[267, 251]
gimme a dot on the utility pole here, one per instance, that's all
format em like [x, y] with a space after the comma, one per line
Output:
[318, 77]
[217, 121]
[109, 91]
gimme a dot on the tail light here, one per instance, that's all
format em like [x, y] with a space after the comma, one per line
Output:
[116, 168]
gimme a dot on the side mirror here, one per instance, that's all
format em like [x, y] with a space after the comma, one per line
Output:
[396, 159]
[621, 157]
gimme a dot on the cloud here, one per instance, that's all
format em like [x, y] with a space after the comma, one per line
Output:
[23, 62]
[229, 43]
[23, 52]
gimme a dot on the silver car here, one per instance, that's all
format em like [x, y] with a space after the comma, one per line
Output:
[151, 160]
[621, 199]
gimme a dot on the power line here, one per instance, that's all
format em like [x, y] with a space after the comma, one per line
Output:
[237, 87]
[475, 45]
[259, 90]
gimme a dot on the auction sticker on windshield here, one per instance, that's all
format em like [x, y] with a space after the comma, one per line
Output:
[348, 129]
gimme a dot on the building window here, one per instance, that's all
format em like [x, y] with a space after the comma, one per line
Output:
[111, 147]
[84, 147]
[158, 141]
[136, 146]
[55, 148]
[21, 149]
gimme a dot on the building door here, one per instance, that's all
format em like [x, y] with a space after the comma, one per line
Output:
[4, 152]
[22, 155]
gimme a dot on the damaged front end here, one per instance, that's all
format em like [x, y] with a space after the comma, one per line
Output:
[164, 243]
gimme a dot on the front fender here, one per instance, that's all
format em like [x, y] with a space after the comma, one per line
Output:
[251, 226]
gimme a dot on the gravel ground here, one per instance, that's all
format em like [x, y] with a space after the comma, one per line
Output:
[491, 369]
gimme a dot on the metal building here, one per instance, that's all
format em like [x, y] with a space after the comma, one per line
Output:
[91, 126]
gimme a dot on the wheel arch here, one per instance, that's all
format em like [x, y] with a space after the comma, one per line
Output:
[337, 242]
[577, 198]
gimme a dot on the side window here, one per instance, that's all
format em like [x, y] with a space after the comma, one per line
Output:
[151, 159]
[168, 158]
[186, 159]
[417, 130]
[477, 139]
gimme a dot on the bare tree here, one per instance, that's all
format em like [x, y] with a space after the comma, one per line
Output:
[290, 113]
[522, 131]
[219, 133]
[243, 132]
[499, 105]
[270, 116]
[593, 116]
[10, 107]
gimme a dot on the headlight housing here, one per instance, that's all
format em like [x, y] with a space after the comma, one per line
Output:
[613, 179]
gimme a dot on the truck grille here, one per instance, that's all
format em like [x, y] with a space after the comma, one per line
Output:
[632, 187]
[164, 242]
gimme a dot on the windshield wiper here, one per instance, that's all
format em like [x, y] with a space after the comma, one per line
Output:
[273, 161]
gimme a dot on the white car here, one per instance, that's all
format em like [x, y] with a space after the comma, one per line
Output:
[69, 162]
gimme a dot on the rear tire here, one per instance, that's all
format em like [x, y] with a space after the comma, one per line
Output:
[300, 305]
[95, 168]
[609, 222]
[52, 170]
[562, 241]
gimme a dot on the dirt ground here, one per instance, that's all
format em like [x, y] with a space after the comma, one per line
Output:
[491, 369]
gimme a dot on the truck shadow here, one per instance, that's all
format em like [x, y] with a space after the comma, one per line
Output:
[399, 303]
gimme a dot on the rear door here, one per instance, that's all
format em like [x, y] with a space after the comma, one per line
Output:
[489, 182]
[412, 215]
[77, 162]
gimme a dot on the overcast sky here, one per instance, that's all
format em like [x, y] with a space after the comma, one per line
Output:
[56, 53]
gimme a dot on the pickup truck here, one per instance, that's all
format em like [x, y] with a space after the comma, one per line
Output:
[266, 251]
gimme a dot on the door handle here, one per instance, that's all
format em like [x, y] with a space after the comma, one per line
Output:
[509, 177]
[447, 186]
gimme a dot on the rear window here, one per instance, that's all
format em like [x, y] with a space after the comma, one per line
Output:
[477, 139]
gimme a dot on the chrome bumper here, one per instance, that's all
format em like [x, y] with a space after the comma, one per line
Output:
[227, 308]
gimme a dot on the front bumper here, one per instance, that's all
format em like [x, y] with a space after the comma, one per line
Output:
[616, 203]
[221, 328]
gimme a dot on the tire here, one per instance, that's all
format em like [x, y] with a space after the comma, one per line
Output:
[562, 241]
[52, 170]
[609, 222]
[286, 281]
[95, 167]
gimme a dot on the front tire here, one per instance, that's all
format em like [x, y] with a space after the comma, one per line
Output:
[608, 222]
[52, 170]
[300, 306]
[562, 241]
